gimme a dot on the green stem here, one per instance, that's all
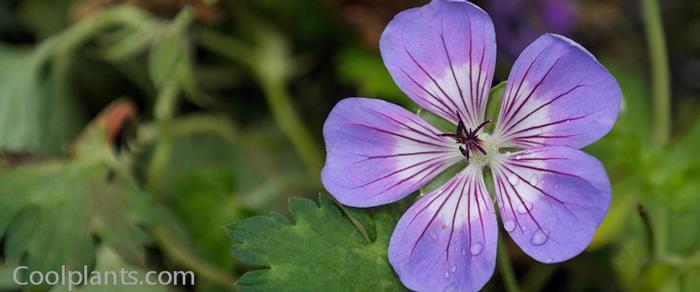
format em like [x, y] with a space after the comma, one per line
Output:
[276, 93]
[537, 277]
[655, 246]
[82, 31]
[660, 76]
[288, 120]
[164, 110]
[505, 267]
[171, 247]
[649, 228]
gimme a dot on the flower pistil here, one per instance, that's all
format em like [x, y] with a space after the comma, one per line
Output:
[467, 138]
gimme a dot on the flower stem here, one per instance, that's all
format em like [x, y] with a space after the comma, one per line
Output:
[274, 89]
[660, 76]
[84, 30]
[505, 267]
[202, 268]
[649, 228]
[289, 121]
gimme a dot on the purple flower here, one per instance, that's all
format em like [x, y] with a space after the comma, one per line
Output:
[551, 196]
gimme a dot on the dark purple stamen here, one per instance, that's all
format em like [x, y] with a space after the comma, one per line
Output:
[467, 137]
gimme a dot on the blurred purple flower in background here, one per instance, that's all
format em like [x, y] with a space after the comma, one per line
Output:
[551, 196]
[519, 22]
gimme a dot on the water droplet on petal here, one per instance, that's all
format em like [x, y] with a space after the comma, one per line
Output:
[476, 248]
[509, 225]
[518, 157]
[451, 288]
[524, 208]
[513, 179]
[433, 235]
[454, 268]
[534, 180]
[556, 186]
[539, 237]
[447, 274]
[568, 122]
[464, 251]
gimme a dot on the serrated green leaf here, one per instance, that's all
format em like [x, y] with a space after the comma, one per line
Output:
[320, 251]
[109, 261]
[50, 211]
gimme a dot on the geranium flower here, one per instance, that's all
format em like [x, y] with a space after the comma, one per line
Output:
[551, 196]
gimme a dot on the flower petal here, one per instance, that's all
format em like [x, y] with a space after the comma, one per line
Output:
[446, 241]
[378, 152]
[551, 200]
[443, 56]
[557, 94]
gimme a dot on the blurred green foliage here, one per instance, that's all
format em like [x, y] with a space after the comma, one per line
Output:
[133, 132]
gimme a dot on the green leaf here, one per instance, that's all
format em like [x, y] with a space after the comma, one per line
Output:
[166, 54]
[437, 121]
[108, 262]
[6, 282]
[634, 113]
[170, 59]
[320, 251]
[204, 202]
[683, 152]
[132, 42]
[495, 101]
[50, 211]
[690, 281]
[624, 200]
[366, 71]
[37, 112]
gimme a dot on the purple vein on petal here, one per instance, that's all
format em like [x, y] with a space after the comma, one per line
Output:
[433, 168]
[454, 76]
[542, 106]
[512, 98]
[431, 134]
[559, 201]
[522, 202]
[437, 212]
[397, 134]
[454, 215]
[510, 117]
[447, 96]
[444, 110]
